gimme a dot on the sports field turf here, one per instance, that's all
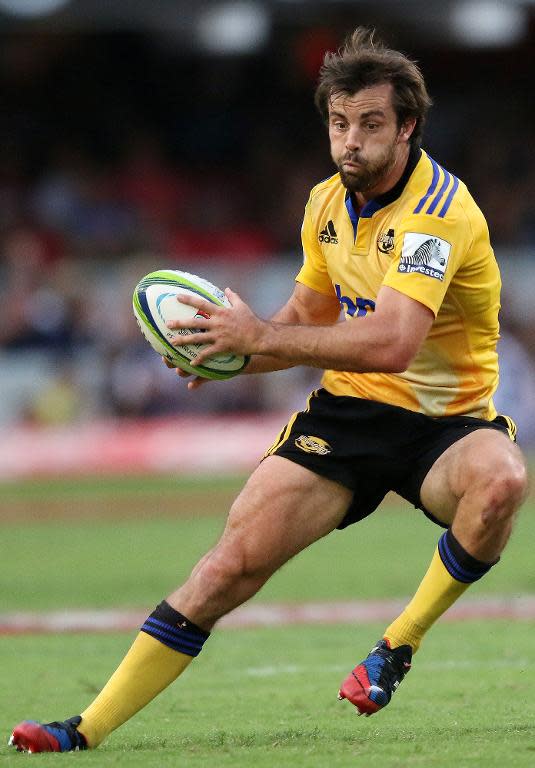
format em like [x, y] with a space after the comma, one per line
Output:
[257, 697]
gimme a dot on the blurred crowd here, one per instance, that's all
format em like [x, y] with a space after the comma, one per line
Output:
[116, 160]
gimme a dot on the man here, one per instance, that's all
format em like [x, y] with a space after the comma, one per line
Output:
[406, 403]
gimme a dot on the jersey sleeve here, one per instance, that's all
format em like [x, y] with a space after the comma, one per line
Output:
[314, 272]
[428, 252]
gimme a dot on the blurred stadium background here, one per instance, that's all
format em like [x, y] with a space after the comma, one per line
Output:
[142, 134]
[138, 134]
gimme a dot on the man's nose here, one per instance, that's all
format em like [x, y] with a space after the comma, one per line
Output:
[353, 139]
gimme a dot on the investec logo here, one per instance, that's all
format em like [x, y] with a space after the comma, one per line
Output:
[328, 234]
[424, 254]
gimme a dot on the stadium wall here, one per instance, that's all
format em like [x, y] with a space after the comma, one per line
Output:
[204, 445]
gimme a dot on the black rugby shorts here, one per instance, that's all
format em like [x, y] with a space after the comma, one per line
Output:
[373, 448]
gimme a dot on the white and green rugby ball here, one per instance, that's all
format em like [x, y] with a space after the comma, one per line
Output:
[155, 304]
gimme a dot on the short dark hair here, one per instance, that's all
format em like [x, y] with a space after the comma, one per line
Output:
[364, 61]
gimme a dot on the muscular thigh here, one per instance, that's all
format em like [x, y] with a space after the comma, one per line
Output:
[481, 452]
[282, 509]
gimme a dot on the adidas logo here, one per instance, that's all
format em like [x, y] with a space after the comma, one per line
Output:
[328, 235]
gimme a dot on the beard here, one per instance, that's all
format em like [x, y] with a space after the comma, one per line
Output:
[369, 173]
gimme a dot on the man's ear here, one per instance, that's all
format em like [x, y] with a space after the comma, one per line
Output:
[405, 132]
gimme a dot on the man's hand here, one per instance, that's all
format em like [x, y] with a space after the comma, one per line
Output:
[235, 329]
[195, 383]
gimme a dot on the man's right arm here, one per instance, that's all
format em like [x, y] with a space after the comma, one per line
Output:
[304, 307]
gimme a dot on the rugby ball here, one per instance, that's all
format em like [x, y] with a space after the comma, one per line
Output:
[155, 303]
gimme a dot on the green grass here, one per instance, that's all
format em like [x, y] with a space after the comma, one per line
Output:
[76, 562]
[267, 698]
[115, 485]
[263, 697]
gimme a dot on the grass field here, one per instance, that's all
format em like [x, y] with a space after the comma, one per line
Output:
[256, 697]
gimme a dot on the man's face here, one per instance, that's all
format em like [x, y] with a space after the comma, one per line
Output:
[365, 138]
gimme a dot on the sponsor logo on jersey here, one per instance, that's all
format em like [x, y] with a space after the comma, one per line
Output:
[425, 255]
[328, 234]
[312, 444]
[385, 241]
[356, 306]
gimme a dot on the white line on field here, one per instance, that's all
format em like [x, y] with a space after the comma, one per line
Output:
[270, 615]
[282, 670]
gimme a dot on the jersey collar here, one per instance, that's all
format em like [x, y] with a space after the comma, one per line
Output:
[388, 197]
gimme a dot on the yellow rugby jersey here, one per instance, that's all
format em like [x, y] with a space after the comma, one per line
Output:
[427, 239]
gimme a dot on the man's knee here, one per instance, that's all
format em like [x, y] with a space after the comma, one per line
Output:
[502, 485]
[228, 566]
[220, 571]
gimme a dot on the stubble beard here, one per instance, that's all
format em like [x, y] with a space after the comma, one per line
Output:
[370, 174]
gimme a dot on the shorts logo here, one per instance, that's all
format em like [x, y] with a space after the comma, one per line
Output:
[424, 254]
[311, 444]
[328, 234]
[385, 241]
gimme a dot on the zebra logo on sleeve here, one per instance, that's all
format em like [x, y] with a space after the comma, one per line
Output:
[424, 254]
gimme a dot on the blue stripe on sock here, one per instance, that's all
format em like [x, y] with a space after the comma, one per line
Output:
[450, 564]
[171, 640]
[193, 643]
[177, 631]
[178, 639]
[454, 567]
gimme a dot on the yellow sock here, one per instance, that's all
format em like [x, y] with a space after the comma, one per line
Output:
[436, 593]
[148, 668]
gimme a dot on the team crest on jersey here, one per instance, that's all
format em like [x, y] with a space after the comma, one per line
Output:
[385, 241]
[312, 444]
[328, 234]
[424, 254]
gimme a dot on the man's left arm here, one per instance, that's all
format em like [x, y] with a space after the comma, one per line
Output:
[383, 341]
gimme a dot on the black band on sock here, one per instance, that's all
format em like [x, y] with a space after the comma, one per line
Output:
[166, 613]
[458, 562]
[174, 630]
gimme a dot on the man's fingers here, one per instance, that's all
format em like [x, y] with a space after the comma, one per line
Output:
[232, 296]
[204, 354]
[197, 382]
[197, 302]
[179, 341]
[199, 323]
[201, 356]
[173, 366]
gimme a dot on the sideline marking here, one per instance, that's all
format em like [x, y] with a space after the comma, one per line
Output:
[518, 608]
[283, 670]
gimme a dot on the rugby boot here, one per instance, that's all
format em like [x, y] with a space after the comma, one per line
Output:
[371, 684]
[31, 737]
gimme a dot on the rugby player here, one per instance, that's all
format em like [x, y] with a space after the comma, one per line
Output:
[406, 403]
